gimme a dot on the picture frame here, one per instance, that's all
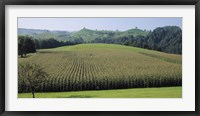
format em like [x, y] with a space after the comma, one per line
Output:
[3, 112]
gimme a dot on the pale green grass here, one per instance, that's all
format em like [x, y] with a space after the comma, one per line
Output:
[163, 92]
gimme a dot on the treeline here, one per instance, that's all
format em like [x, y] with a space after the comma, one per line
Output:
[167, 39]
[27, 44]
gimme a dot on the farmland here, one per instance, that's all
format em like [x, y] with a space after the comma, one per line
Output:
[105, 66]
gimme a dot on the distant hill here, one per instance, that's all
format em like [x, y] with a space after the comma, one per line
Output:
[135, 32]
[89, 35]
[86, 34]
[23, 31]
[44, 34]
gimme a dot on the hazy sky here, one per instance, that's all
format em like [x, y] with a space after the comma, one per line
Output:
[75, 24]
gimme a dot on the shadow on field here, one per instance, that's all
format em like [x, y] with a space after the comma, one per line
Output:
[45, 52]
[78, 96]
[27, 56]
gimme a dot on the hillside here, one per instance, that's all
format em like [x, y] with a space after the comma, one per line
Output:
[86, 34]
[89, 35]
[105, 66]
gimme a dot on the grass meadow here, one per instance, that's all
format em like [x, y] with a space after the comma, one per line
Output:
[163, 92]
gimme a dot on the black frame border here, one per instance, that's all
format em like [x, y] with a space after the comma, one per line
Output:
[3, 3]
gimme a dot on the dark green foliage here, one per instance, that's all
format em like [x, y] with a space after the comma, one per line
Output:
[167, 39]
[53, 43]
[25, 45]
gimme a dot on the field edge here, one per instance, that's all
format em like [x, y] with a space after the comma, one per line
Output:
[160, 92]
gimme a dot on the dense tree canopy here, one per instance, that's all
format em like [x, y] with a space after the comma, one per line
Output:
[167, 39]
[25, 45]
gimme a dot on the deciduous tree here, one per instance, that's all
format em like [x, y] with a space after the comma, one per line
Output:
[30, 75]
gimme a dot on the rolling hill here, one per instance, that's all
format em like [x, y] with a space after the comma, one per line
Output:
[104, 66]
[86, 34]
[89, 35]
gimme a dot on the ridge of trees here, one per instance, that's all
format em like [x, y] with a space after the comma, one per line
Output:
[166, 39]
[27, 44]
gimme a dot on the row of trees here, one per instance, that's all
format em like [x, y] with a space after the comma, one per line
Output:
[52, 43]
[27, 44]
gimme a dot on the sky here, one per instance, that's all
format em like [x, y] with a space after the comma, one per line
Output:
[75, 24]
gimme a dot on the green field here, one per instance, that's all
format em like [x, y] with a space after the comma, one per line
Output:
[106, 66]
[164, 92]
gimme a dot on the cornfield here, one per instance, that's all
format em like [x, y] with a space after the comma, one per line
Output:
[105, 66]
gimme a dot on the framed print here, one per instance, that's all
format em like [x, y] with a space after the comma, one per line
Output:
[88, 57]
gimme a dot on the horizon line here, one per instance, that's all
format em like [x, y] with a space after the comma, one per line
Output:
[99, 29]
